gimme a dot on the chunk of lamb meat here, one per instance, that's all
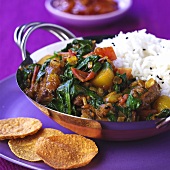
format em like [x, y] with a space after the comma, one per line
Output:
[42, 92]
[147, 96]
[78, 101]
[88, 111]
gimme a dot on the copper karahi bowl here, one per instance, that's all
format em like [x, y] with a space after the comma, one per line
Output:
[105, 130]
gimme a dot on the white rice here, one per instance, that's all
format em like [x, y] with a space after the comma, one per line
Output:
[147, 55]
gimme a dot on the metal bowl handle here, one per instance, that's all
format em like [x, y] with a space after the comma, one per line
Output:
[22, 33]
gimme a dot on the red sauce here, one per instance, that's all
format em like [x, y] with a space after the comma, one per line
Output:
[85, 7]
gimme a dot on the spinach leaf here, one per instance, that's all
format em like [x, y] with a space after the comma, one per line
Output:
[111, 117]
[24, 76]
[67, 92]
[67, 73]
[164, 113]
[63, 95]
[96, 67]
[41, 72]
[95, 100]
[54, 104]
[126, 111]
[133, 103]
[84, 63]
[125, 83]
[149, 117]
[107, 65]
[81, 47]
[42, 69]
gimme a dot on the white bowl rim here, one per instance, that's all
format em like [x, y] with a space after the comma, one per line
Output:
[124, 5]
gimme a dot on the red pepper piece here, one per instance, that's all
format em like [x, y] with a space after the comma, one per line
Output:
[36, 70]
[106, 52]
[83, 76]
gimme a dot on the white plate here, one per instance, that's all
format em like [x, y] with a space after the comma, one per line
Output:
[92, 20]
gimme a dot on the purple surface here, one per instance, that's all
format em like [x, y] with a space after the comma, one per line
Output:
[144, 154]
[153, 153]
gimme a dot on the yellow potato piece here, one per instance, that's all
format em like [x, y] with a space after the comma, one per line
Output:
[163, 102]
[112, 97]
[104, 79]
[149, 83]
[25, 148]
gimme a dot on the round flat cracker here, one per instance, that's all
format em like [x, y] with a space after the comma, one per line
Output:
[13, 128]
[67, 151]
[25, 148]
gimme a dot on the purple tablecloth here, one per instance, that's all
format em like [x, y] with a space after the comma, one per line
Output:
[144, 14]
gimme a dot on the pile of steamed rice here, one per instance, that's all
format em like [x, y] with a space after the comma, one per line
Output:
[147, 55]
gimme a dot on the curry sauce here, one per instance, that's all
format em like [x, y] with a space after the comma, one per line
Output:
[85, 7]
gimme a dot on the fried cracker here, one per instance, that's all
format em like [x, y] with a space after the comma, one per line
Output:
[13, 128]
[67, 151]
[25, 148]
